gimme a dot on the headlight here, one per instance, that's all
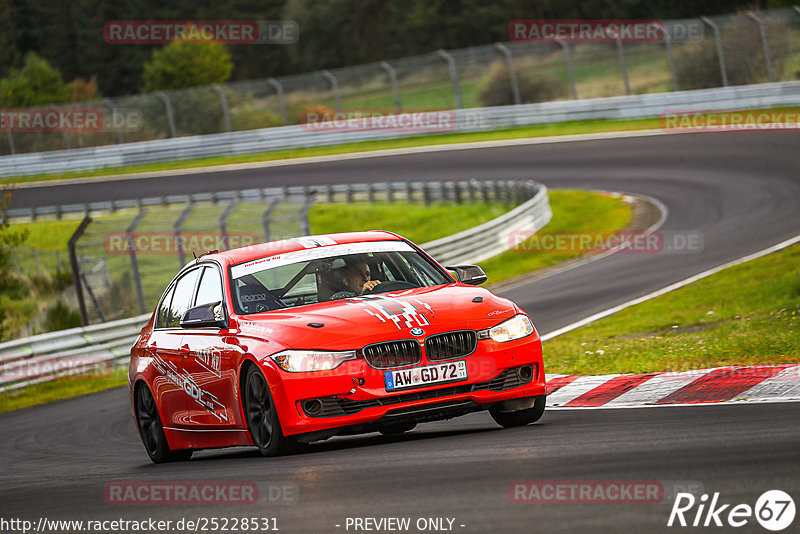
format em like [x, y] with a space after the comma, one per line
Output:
[299, 361]
[514, 328]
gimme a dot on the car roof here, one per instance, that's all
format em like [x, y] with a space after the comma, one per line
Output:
[270, 248]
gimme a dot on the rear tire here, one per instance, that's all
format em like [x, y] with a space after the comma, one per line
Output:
[520, 417]
[261, 415]
[152, 431]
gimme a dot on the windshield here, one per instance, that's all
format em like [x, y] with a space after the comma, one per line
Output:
[330, 273]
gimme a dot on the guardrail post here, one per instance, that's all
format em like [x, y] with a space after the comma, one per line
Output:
[623, 66]
[137, 279]
[671, 59]
[176, 228]
[764, 44]
[393, 80]
[335, 87]
[409, 193]
[226, 115]
[570, 70]
[512, 75]
[223, 222]
[76, 270]
[723, 72]
[370, 193]
[110, 103]
[265, 217]
[389, 193]
[451, 65]
[170, 117]
[281, 99]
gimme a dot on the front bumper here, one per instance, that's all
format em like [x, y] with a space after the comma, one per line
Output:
[353, 396]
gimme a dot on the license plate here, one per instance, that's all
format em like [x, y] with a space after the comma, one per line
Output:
[424, 376]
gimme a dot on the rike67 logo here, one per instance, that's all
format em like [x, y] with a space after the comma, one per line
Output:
[774, 510]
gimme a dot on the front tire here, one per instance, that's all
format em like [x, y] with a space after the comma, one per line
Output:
[152, 431]
[261, 415]
[520, 417]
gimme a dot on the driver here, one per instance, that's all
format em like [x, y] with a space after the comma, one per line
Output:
[356, 276]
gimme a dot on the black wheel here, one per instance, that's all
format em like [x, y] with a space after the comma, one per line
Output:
[262, 418]
[520, 417]
[155, 442]
[394, 430]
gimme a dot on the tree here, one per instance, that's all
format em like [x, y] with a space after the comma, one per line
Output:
[187, 64]
[36, 83]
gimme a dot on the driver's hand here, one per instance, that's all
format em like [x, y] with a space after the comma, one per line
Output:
[371, 284]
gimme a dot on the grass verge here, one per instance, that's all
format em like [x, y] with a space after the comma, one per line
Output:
[61, 388]
[745, 315]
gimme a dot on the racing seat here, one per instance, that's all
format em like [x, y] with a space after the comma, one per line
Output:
[257, 298]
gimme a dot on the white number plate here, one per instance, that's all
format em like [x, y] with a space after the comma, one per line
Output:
[424, 376]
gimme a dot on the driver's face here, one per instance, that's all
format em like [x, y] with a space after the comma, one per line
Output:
[356, 276]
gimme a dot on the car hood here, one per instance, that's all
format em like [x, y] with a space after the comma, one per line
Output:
[354, 322]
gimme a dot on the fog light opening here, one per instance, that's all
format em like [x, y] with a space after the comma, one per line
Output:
[525, 373]
[312, 407]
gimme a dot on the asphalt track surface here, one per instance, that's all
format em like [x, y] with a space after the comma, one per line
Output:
[739, 191]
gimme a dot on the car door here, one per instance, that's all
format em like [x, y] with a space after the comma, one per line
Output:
[172, 385]
[209, 361]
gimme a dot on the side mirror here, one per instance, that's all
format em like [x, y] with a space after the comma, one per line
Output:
[469, 274]
[203, 316]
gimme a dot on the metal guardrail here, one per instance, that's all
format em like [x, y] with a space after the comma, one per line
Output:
[43, 357]
[466, 120]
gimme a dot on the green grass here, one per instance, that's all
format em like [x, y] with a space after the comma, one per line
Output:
[744, 315]
[61, 388]
[573, 212]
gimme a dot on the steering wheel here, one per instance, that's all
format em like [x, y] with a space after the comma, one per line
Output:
[391, 285]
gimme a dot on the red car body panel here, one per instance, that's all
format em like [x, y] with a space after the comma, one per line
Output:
[195, 374]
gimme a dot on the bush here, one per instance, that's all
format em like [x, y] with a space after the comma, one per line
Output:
[60, 317]
[496, 88]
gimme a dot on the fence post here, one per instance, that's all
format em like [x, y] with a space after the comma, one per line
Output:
[671, 58]
[110, 103]
[306, 208]
[764, 44]
[266, 216]
[11, 142]
[512, 75]
[721, 57]
[281, 100]
[451, 65]
[335, 87]
[75, 267]
[623, 66]
[137, 279]
[226, 115]
[223, 222]
[170, 118]
[176, 228]
[393, 80]
[570, 70]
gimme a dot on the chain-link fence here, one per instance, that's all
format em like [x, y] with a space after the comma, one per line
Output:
[744, 48]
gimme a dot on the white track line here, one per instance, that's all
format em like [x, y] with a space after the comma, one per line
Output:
[671, 287]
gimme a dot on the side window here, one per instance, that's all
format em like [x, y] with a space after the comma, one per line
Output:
[163, 311]
[210, 289]
[184, 290]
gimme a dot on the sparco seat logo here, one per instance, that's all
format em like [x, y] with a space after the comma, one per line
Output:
[774, 510]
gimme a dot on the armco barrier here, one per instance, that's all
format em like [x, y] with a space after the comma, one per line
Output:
[36, 359]
[466, 120]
